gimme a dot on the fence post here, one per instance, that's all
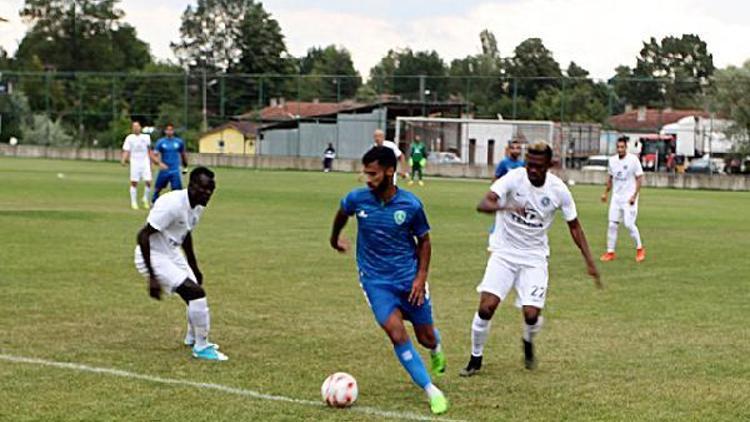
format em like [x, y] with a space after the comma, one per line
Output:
[515, 97]
[185, 101]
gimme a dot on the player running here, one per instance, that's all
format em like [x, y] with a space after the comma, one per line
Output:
[171, 152]
[378, 137]
[393, 256]
[626, 176]
[137, 149]
[158, 258]
[524, 203]
[417, 160]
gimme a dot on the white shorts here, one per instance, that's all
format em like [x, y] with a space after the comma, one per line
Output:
[623, 212]
[529, 281]
[171, 269]
[140, 172]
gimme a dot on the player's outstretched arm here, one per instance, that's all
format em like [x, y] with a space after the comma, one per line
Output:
[339, 222]
[489, 204]
[143, 241]
[576, 232]
[187, 246]
[424, 254]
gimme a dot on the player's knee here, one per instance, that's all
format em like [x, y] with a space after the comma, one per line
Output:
[530, 315]
[613, 225]
[486, 311]
[190, 290]
[427, 338]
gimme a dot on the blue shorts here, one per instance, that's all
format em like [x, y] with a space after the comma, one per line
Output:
[172, 177]
[385, 298]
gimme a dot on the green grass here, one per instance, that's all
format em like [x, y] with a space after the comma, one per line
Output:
[666, 340]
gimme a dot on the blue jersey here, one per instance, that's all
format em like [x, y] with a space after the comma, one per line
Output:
[506, 165]
[171, 150]
[386, 244]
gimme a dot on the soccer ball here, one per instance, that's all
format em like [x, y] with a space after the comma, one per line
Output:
[13, 141]
[571, 183]
[339, 390]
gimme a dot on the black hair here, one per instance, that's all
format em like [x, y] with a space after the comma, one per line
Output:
[624, 139]
[200, 171]
[383, 155]
[514, 142]
[540, 148]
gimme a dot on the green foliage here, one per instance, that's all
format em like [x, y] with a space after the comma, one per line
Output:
[730, 97]
[80, 35]
[14, 109]
[479, 79]
[672, 72]
[41, 130]
[330, 74]
[531, 59]
[398, 73]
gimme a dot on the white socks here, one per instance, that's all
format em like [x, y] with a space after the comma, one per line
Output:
[529, 331]
[200, 320]
[480, 330]
[133, 195]
[146, 193]
[635, 234]
[190, 335]
[611, 236]
[432, 391]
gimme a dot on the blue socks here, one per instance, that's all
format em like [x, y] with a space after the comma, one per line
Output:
[412, 362]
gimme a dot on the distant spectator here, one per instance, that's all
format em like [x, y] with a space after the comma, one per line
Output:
[328, 156]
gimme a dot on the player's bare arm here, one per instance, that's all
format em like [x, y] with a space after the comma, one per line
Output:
[125, 158]
[156, 159]
[490, 205]
[183, 155]
[424, 253]
[339, 222]
[144, 235]
[607, 188]
[638, 182]
[579, 237]
[187, 246]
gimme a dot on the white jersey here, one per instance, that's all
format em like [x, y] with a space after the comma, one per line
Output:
[173, 217]
[138, 146]
[392, 146]
[520, 237]
[624, 172]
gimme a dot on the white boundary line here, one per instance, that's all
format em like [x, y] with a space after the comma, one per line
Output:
[371, 411]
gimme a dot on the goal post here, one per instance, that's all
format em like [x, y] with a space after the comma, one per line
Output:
[471, 141]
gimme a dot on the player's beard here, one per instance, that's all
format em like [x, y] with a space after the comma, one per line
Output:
[384, 185]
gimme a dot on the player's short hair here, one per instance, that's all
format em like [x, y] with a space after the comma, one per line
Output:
[514, 142]
[169, 125]
[383, 155]
[540, 148]
[624, 139]
[200, 171]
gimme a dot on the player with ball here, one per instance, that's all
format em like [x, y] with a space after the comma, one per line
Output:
[393, 256]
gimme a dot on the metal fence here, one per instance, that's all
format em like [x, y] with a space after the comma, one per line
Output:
[300, 114]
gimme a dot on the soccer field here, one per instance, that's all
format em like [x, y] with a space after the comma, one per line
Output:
[667, 339]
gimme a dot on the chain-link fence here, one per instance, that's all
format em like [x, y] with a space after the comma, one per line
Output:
[299, 115]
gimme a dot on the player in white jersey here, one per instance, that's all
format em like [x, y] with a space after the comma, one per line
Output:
[159, 259]
[378, 137]
[137, 149]
[624, 180]
[524, 203]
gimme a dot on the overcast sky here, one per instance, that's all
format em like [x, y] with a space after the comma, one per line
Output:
[597, 34]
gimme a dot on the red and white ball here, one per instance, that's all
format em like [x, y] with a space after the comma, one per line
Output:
[339, 390]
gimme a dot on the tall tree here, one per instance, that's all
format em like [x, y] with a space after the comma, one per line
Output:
[330, 74]
[730, 97]
[400, 72]
[535, 67]
[478, 79]
[672, 72]
[80, 35]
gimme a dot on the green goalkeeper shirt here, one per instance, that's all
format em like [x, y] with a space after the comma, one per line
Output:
[418, 152]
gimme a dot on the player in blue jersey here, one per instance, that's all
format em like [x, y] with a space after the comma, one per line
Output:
[171, 153]
[393, 256]
[511, 161]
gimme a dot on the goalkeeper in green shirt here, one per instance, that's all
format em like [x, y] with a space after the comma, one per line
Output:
[417, 160]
